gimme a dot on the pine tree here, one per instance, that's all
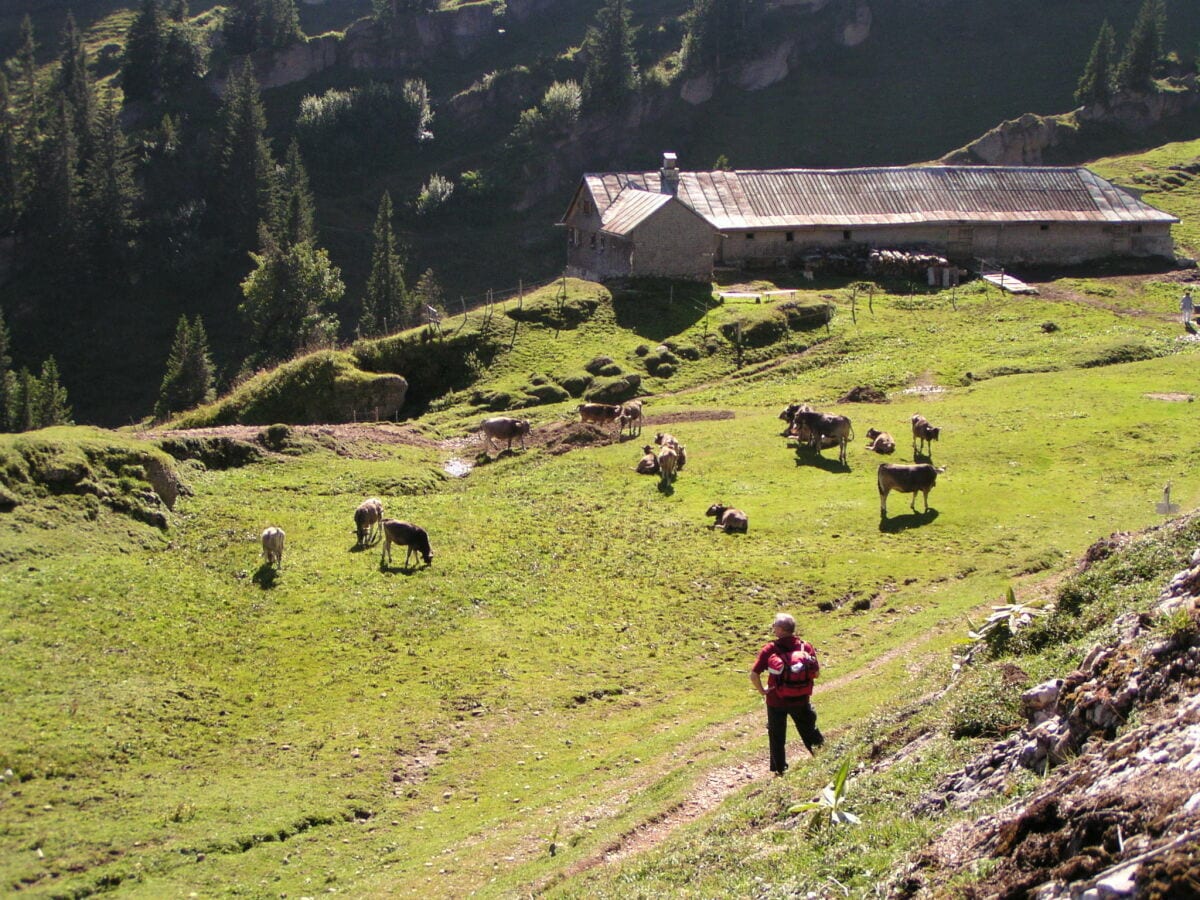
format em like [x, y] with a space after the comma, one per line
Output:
[261, 24]
[188, 380]
[52, 206]
[26, 65]
[428, 294]
[1096, 84]
[715, 34]
[386, 304]
[24, 400]
[145, 52]
[611, 73]
[294, 217]
[289, 300]
[246, 171]
[1145, 47]
[74, 83]
[7, 385]
[10, 162]
[50, 405]
[109, 193]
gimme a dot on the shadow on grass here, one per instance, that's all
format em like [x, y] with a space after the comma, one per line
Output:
[657, 309]
[896, 524]
[666, 488]
[806, 456]
[409, 569]
[266, 576]
[919, 457]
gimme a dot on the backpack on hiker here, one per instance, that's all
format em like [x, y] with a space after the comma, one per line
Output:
[793, 670]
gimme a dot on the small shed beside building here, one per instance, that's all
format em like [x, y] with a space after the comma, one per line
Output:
[681, 224]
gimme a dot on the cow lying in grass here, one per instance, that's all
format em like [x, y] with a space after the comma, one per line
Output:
[272, 544]
[648, 464]
[406, 535]
[728, 519]
[880, 442]
[919, 478]
[367, 520]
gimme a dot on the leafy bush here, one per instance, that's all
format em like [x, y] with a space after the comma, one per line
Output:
[360, 128]
[435, 193]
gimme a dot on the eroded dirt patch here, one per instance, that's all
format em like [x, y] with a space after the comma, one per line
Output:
[1171, 397]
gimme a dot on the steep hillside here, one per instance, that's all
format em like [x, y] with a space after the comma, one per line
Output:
[570, 670]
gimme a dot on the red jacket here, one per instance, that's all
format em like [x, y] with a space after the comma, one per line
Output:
[769, 660]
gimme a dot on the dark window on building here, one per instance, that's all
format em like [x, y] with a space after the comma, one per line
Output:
[1137, 229]
[587, 207]
[789, 236]
[846, 235]
[749, 235]
[592, 241]
[1044, 227]
[601, 243]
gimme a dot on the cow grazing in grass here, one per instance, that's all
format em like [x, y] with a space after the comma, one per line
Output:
[821, 427]
[668, 464]
[919, 478]
[504, 428]
[406, 535]
[631, 416]
[880, 442]
[728, 519]
[599, 414]
[648, 464]
[367, 520]
[272, 544]
[924, 434]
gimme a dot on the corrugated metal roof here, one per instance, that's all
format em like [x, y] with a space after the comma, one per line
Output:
[796, 198]
[629, 209]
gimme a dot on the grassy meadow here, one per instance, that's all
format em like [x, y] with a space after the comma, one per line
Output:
[181, 720]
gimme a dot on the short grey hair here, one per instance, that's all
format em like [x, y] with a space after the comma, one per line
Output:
[787, 621]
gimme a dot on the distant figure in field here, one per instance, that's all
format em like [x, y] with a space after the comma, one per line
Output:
[272, 544]
[1186, 307]
[792, 665]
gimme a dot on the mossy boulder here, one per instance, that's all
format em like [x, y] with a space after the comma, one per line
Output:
[615, 390]
[576, 385]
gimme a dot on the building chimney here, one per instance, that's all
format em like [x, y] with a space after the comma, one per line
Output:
[669, 174]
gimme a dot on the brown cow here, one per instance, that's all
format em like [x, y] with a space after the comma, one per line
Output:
[881, 442]
[728, 519]
[501, 428]
[648, 464]
[923, 433]
[631, 416]
[668, 463]
[823, 426]
[669, 440]
[600, 414]
[410, 536]
[914, 479]
[368, 519]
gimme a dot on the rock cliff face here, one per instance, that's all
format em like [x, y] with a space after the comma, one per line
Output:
[1118, 813]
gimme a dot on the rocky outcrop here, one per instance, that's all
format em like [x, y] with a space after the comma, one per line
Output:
[1118, 740]
[1025, 141]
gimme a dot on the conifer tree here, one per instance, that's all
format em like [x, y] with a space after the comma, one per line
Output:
[1096, 84]
[1145, 47]
[246, 171]
[188, 380]
[50, 405]
[10, 162]
[24, 401]
[109, 192]
[52, 205]
[428, 294]
[294, 217]
[611, 73]
[7, 385]
[26, 65]
[715, 33]
[145, 52]
[74, 83]
[386, 303]
[261, 24]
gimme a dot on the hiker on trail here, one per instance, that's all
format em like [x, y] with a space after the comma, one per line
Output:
[1185, 307]
[792, 665]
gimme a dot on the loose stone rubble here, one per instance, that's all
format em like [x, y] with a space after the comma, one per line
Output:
[1115, 816]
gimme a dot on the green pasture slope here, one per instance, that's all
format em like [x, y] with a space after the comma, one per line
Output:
[179, 719]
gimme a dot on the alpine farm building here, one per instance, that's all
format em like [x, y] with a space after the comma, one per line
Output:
[682, 224]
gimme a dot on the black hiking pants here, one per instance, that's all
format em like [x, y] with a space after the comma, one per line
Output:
[805, 718]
